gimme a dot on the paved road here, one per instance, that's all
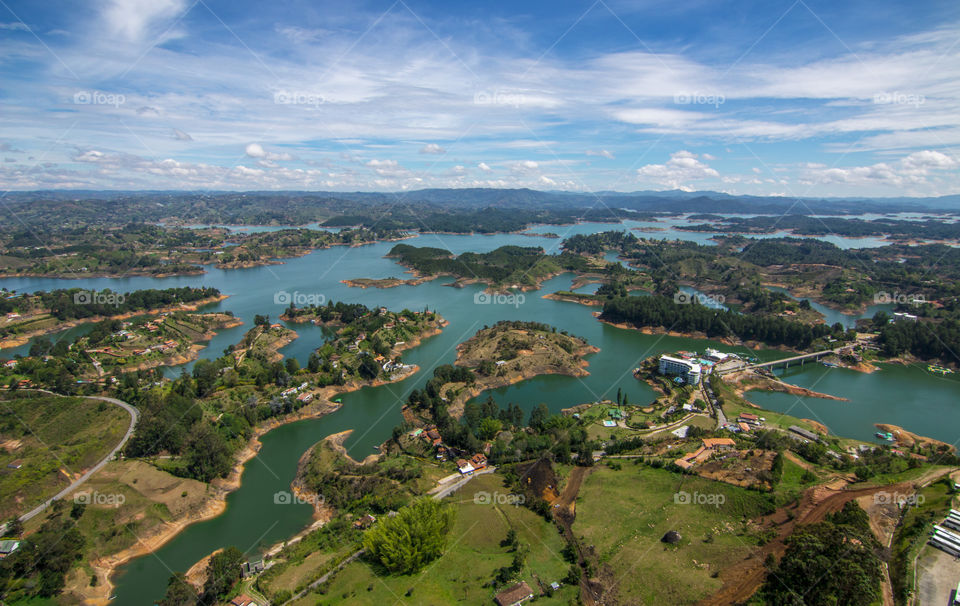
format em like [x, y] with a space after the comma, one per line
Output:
[134, 416]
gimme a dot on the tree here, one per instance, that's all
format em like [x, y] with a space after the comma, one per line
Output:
[313, 363]
[261, 320]
[205, 373]
[292, 365]
[489, 428]
[223, 572]
[179, 592]
[538, 416]
[368, 369]
[208, 455]
[416, 536]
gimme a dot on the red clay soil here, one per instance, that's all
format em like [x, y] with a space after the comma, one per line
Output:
[743, 579]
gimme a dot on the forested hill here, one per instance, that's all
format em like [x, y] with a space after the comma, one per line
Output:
[428, 209]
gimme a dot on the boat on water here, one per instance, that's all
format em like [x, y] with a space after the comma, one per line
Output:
[884, 435]
[940, 370]
[829, 364]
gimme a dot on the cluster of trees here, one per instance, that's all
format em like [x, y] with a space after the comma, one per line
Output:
[924, 339]
[822, 226]
[37, 569]
[173, 423]
[76, 303]
[544, 435]
[349, 487]
[408, 541]
[830, 563]
[507, 264]
[664, 312]
[223, 572]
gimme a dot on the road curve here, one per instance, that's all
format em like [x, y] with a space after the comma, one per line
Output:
[134, 416]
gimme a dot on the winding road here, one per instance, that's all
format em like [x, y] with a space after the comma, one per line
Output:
[134, 416]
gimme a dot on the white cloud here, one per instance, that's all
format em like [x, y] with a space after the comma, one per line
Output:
[484, 167]
[255, 150]
[682, 167]
[602, 153]
[134, 19]
[179, 135]
[15, 25]
[919, 171]
[432, 148]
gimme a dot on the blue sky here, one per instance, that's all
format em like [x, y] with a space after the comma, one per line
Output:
[795, 98]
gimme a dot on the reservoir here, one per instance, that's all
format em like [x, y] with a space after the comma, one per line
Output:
[907, 396]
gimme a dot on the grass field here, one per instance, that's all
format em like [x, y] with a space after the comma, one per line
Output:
[55, 439]
[149, 498]
[624, 514]
[463, 574]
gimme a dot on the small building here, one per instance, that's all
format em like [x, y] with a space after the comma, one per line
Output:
[10, 363]
[479, 461]
[683, 464]
[514, 595]
[743, 426]
[305, 397]
[681, 432]
[244, 600]
[718, 443]
[364, 522]
[615, 413]
[8, 546]
[746, 417]
[800, 431]
[15, 464]
[903, 317]
[464, 466]
[248, 569]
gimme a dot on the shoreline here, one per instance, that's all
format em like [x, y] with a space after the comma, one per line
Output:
[219, 488]
[23, 339]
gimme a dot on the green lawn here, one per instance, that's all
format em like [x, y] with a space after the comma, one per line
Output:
[51, 435]
[472, 558]
[624, 514]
